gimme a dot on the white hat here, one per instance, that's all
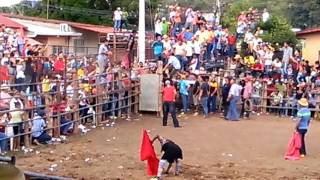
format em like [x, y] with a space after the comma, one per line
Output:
[6, 52]
[4, 87]
[163, 18]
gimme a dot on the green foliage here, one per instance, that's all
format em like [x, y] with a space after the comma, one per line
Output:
[229, 18]
[277, 30]
[84, 11]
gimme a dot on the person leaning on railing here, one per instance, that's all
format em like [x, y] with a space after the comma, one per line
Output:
[39, 136]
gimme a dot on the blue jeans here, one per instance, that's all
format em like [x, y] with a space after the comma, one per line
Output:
[212, 103]
[185, 102]
[3, 142]
[117, 24]
[65, 125]
[181, 60]
[204, 103]
[233, 113]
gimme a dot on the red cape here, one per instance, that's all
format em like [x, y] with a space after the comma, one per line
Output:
[147, 153]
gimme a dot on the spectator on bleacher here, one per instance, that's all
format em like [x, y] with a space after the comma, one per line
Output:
[5, 97]
[158, 48]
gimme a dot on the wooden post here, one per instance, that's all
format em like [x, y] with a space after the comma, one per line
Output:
[99, 100]
[57, 120]
[25, 121]
[114, 47]
[75, 84]
[159, 72]
[135, 97]
[264, 97]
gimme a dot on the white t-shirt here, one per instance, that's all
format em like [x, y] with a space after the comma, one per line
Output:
[277, 65]
[235, 90]
[117, 15]
[180, 49]
[174, 62]
[265, 16]
[268, 58]
[197, 47]
[167, 45]
[189, 49]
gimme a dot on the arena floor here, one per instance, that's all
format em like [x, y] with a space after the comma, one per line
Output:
[213, 149]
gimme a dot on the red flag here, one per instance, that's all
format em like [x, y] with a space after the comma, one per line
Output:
[147, 153]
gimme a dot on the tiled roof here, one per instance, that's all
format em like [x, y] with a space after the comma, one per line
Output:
[309, 31]
[10, 23]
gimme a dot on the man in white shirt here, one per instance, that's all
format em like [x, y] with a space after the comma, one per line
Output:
[233, 99]
[117, 19]
[265, 15]
[180, 53]
[172, 62]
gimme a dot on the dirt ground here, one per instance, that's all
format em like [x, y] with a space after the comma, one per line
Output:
[213, 149]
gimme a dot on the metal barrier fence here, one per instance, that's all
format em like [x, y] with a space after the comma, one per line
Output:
[105, 99]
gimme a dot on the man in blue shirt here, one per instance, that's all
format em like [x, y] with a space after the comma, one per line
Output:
[183, 89]
[302, 125]
[187, 36]
[39, 136]
[158, 48]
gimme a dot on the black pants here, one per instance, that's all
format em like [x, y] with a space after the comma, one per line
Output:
[225, 109]
[302, 132]
[170, 107]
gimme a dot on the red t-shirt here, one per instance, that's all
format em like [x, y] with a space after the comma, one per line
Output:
[58, 65]
[169, 94]
[257, 67]
[4, 73]
[232, 40]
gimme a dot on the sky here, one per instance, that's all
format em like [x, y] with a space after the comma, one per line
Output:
[7, 3]
[4, 3]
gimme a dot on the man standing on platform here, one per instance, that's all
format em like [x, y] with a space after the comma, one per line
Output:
[169, 98]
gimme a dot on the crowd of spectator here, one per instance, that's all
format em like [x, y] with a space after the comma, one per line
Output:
[37, 90]
[260, 71]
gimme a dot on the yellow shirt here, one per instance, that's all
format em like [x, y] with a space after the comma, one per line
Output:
[46, 85]
[80, 73]
[249, 60]
[87, 87]
[203, 36]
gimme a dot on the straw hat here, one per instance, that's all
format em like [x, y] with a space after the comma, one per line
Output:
[303, 102]
[4, 87]
[237, 56]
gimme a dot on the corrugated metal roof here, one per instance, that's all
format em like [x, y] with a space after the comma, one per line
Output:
[44, 29]
[88, 27]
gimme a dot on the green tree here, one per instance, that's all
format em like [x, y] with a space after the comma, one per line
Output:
[277, 30]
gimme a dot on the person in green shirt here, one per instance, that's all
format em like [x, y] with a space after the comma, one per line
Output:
[124, 18]
[165, 26]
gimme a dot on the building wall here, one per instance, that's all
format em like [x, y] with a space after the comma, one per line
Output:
[311, 49]
[88, 43]
[55, 44]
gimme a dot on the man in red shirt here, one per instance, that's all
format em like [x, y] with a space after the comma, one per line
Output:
[169, 98]
[257, 69]
[59, 65]
[232, 41]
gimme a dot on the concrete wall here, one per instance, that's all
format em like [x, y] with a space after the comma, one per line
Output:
[311, 47]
